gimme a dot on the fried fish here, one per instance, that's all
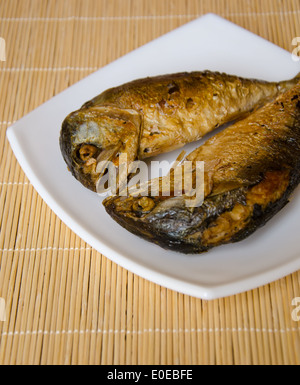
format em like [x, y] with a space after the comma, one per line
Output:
[151, 116]
[251, 169]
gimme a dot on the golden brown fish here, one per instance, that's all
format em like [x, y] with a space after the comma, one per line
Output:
[251, 169]
[151, 116]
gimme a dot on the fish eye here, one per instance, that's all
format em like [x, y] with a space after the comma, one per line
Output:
[144, 204]
[85, 152]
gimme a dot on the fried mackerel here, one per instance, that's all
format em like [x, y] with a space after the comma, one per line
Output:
[151, 116]
[251, 169]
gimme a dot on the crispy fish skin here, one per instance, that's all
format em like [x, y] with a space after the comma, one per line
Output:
[251, 169]
[150, 116]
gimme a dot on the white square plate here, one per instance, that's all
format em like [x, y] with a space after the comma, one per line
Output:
[209, 42]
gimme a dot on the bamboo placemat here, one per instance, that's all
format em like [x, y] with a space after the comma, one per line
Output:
[65, 302]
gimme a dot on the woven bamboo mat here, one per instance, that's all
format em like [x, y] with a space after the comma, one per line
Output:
[65, 302]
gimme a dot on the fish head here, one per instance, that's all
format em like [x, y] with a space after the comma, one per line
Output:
[169, 221]
[92, 137]
[161, 220]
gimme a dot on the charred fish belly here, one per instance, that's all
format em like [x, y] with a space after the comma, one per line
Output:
[251, 169]
[151, 116]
